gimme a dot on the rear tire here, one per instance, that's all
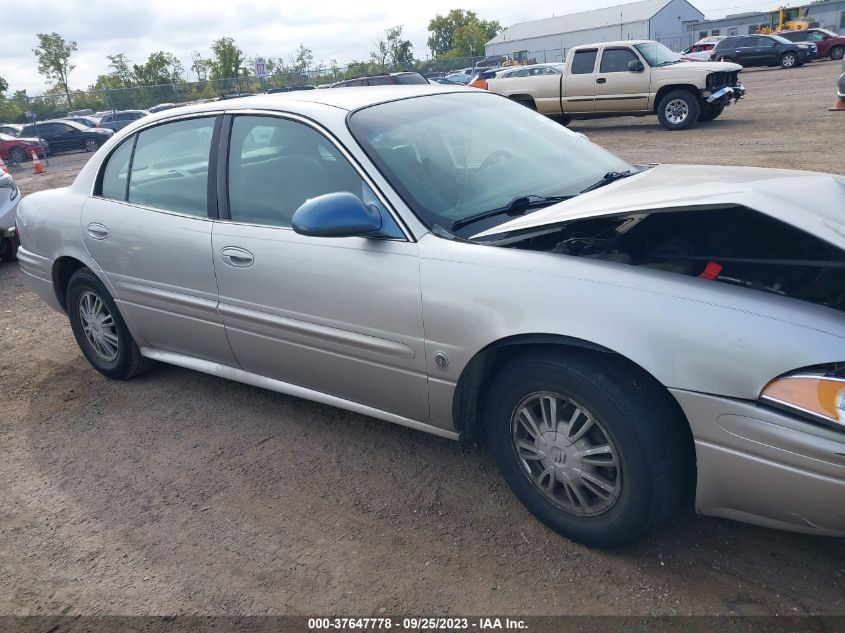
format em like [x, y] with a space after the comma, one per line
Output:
[678, 110]
[635, 425]
[100, 330]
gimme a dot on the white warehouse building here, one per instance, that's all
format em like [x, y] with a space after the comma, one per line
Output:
[547, 39]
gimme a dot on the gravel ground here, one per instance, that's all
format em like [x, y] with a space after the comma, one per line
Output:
[181, 493]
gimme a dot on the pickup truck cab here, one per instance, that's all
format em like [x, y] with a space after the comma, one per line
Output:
[631, 77]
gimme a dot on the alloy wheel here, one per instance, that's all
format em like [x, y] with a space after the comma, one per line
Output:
[98, 326]
[677, 111]
[788, 61]
[566, 454]
[91, 145]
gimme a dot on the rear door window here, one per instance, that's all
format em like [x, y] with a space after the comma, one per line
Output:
[170, 166]
[584, 62]
[116, 172]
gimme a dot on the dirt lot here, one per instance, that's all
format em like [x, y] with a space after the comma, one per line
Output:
[181, 493]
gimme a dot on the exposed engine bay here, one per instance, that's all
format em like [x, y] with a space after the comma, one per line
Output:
[733, 245]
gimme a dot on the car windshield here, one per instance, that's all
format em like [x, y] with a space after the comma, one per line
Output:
[451, 157]
[74, 124]
[827, 32]
[656, 54]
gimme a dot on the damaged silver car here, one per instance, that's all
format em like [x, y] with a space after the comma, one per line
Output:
[619, 335]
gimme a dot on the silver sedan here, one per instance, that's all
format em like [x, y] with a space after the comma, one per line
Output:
[442, 258]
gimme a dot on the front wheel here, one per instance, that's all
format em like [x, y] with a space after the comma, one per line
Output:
[18, 155]
[91, 145]
[592, 448]
[837, 52]
[788, 60]
[100, 331]
[678, 110]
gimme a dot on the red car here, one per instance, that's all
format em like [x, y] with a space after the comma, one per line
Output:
[828, 43]
[19, 150]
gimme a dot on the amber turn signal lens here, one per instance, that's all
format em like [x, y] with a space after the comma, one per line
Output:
[814, 395]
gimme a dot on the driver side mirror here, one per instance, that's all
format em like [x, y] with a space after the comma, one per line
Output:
[337, 215]
[635, 66]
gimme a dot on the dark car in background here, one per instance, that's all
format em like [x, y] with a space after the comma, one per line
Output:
[828, 43]
[392, 79]
[14, 149]
[66, 136]
[762, 50]
[118, 120]
[87, 121]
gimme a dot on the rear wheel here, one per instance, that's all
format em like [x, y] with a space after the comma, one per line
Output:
[591, 447]
[100, 331]
[710, 112]
[788, 60]
[837, 52]
[18, 155]
[678, 110]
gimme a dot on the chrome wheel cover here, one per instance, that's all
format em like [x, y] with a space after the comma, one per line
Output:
[566, 454]
[788, 61]
[677, 111]
[98, 326]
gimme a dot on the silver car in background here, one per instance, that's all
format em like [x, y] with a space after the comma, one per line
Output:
[445, 259]
[10, 197]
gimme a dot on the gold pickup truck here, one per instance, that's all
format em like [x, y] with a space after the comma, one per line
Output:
[632, 77]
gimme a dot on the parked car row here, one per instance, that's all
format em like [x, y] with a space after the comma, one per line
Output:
[788, 49]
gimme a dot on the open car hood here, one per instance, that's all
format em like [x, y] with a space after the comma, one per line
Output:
[812, 202]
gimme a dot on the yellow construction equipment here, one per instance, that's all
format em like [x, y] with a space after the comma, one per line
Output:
[788, 19]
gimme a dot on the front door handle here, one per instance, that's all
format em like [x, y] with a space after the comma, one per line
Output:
[98, 231]
[601, 80]
[237, 257]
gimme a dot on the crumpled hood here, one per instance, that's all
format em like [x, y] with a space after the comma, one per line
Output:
[810, 201]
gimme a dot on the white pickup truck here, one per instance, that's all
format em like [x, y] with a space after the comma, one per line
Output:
[633, 77]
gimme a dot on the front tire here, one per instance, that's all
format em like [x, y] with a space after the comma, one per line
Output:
[91, 145]
[591, 447]
[678, 110]
[837, 52]
[789, 60]
[17, 155]
[100, 331]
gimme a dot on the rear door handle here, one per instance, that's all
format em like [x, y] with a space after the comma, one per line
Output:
[237, 257]
[601, 80]
[98, 231]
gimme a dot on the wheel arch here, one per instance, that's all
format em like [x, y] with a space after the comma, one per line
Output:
[664, 90]
[522, 97]
[471, 388]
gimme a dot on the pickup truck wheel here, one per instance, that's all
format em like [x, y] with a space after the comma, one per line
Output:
[788, 60]
[99, 329]
[678, 110]
[563, 119]
[710, 112]
[592, 449]
[837, 52]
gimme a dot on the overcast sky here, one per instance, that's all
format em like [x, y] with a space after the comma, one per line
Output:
[342, 30]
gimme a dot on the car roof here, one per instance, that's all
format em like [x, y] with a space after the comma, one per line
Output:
[347, 99]
[615, 43]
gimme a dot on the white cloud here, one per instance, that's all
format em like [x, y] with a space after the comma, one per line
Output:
[332, 29]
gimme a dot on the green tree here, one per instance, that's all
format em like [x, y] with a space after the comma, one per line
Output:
[460, 33]
[201, 66]
[160, 68]
[400, 49]
[53, 55]
[4, 86]
[121, 70]
[380, 51]
[227, 58]
[300, 61]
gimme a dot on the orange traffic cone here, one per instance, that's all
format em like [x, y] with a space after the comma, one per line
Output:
[3, 167]
[839, 104]
[36, 164]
